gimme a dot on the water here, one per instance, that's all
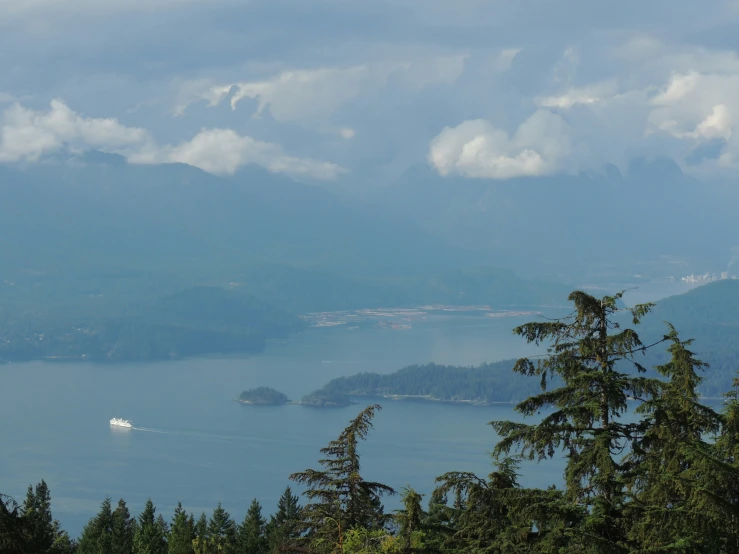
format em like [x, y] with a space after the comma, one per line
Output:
[194, 444]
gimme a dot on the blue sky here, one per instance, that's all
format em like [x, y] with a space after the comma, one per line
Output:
[345, 89]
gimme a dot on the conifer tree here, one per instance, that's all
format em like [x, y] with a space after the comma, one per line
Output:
[222, 530]
[123, 529]
[676, 498]
[200, 544]
[586, 352]
[251, 537]
[36, 512]
[410, 519]
[340, 499]
[283, 529]
[97, 535]
[181, 533]
[150, 537]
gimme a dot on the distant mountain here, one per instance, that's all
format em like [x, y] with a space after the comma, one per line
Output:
[299, 291]
[573, 224]
[98, 211]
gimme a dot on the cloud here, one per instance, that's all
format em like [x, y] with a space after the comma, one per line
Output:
[27, 135]
[314, 95]
[223, 151]
[478, 149]
[587, 95]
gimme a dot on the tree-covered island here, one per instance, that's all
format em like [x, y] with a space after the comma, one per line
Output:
[265, 396]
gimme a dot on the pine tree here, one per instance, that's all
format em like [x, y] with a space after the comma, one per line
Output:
[251, 537]
[97, 535]
[283, 529]
[222, 530]
[582, 416]
[182, 532]
[150, 536]
[122, 530]
[340, 499]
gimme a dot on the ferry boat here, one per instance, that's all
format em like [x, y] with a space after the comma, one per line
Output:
[118, 422]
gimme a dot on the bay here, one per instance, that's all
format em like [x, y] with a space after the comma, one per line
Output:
[193, 443]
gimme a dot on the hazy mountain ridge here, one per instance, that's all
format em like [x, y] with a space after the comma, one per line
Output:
[576, 223]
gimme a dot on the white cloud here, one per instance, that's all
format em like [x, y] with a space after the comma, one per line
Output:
[313, 95]
[223, 151]
[347, 132]
[587, 95]
[26, 134]
[477, 149]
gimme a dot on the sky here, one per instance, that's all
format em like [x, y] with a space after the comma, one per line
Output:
[331, 90]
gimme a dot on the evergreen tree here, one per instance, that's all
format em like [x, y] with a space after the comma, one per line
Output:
[222, 530]
[150, 536]
[677, 473]
[201, 542]
[251, 537]
[410, 520]
[97, 535]
[283, 529]
[123, 529]
[36, 512]
[182, 532]
[340, 499]
[582, 416]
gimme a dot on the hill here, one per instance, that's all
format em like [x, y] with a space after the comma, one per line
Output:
[193, 322]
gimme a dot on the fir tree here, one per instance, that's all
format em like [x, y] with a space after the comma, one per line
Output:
[222, 530]
[122, 530]
[36, 512]
[410, 519]
[97, 535]
[150, 536]
[582, 416]
[200, 544]
[283, 529]
[340, 499]
[182, 532]
[251, 537]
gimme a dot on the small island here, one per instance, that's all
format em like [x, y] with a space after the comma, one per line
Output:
[326, 399]
[264, 396]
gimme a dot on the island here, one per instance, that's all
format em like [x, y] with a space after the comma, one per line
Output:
[485, 384]
[326, 399]
[264, 396]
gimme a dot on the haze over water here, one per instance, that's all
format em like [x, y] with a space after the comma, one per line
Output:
[194, 444]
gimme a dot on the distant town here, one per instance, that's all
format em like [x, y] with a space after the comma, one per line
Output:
[707, 277]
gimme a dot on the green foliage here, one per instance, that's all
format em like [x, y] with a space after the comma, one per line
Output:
[150, 536]
[284, 527]
[251, 536]
[222, 530]
[181, 532]
[326, 399]
[339, 497]
[97, 536]
[482, 384]
[263, 395]
[124, 528]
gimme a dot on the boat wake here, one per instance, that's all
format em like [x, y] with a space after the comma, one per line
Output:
[184, 433]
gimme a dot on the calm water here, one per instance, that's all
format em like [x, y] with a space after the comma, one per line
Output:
[201, 447]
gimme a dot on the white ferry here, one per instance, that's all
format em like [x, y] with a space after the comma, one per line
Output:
[118, 422]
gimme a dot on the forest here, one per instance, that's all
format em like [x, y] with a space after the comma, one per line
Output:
[664, 479]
